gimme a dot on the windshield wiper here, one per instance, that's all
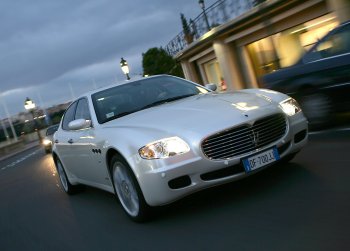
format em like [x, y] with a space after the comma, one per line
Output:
[163, 101]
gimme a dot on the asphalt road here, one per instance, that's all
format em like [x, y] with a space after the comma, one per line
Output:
[303, 205]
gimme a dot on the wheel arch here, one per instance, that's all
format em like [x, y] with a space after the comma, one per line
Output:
[109, 155]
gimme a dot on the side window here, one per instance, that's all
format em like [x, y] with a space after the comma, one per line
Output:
[336, 44]
[82, 111]
[69, 116]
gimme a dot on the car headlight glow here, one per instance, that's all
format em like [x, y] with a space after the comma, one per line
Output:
[164, 148]
[290, 106]
[46, 142]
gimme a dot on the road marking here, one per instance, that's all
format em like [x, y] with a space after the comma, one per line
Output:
[20, 160]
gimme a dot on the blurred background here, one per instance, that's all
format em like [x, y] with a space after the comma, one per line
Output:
[54, 52]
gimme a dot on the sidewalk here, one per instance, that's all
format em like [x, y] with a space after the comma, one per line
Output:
[20, 149]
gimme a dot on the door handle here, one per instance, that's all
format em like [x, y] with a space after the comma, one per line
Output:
[70, 141]
[56, 141]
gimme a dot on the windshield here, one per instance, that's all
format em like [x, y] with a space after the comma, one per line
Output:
[51, 130]
[135, 96]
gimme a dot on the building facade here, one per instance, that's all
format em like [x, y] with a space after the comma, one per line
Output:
[255, 38]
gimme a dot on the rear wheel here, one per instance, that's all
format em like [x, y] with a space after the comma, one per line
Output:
[67, 186]
[128, 190]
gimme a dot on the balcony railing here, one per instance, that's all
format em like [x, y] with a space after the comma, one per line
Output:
[218, 13]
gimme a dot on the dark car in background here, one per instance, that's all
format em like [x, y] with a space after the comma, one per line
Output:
[48, 140]
[320, 80]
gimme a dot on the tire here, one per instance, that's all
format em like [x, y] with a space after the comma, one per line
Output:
[66, 185]
[128, 190]
[317, 108]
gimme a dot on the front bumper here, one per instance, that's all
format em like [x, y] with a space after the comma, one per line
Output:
[165, 180]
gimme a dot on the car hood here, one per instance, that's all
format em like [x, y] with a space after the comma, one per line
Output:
[201, 114]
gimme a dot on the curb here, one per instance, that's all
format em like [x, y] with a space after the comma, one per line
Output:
[22, 149]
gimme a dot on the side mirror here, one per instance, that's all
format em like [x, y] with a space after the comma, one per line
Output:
[79, 124]
[212, 87]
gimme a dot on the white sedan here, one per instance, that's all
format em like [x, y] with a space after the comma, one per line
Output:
[155, 140]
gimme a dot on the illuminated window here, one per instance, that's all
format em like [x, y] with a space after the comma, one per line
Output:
[263, 56]
[287, 47]
[213, 71]
[333, 45]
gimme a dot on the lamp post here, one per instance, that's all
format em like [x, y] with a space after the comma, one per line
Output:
[202, 5]
[29, 105]
[125, 68]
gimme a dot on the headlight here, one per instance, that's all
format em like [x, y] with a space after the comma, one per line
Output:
[46, 142]
[290, 106]
[164, 148]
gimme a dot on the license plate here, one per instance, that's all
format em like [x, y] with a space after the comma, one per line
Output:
[260, 159]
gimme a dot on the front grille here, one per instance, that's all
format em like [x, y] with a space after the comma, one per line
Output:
[245, 138]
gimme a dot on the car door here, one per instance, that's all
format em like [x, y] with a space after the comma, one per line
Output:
[80, 142]
[62, 141]
[88, 155]
[74, 146]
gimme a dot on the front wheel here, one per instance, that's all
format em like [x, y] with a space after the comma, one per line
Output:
[317, 108]
[128, 190]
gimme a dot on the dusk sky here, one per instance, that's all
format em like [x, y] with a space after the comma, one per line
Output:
[53, 50]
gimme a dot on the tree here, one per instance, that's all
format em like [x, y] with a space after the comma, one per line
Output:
[186, 29]
[158, 61]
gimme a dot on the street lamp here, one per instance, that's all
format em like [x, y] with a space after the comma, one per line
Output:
[29, 105]
[202, 5]
[125, 68]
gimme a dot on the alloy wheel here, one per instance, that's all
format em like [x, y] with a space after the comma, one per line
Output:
[125, 188]
[62, 175]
